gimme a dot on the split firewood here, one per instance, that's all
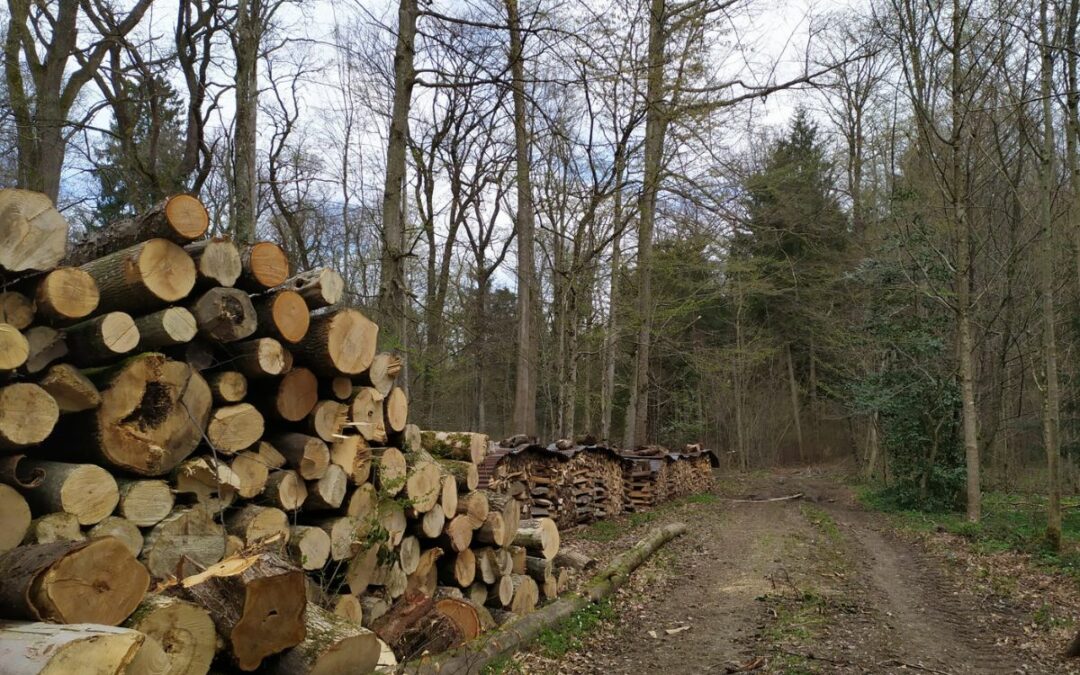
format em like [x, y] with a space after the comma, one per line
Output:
[217, 262]
[306, 454]
[93, 581]
[264, 266]
[180, 218]
[166, 328]
[227, 386]
[233, 428]
[27, 415]
[283, 315]
[33, 234]
[269, 455]
[224, 315]
[182, 632]
[319, 288]
[121, 529]
[84, 490]
[259, 604]
[142, 278]
[190, 536]
[152, 414]
[340, 342]
[103, 339]
[14, 518]
[56, 649]
[72, 391]
[65, 295]
[259, 358]
[17, 310]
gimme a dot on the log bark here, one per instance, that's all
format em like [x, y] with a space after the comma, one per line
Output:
[103, 339]
[33, 234]
[121, 529]
[286, 490]
[319, 288]
[295, 395]
[465, 474]
[309, 546]
[283, 315]
[15, 473]
[339, 342]
[462, 445]
[521, 631]
[188, 535]
[14, 348]
[264, 265]
[180, 218]
[233, 428]
[183, 633]
[84, 490]
[16, 310]
[224, 315]
[217, 262]
[384, 369]
[334, 646]
[539, 535]
[51, 649]
[72, 391]
[152, 414]
[14, 518]
[95, 581]
[258, 603]
[27, 415]
[308, 455]
[46, 345]
[166, 328]
[66, 294]
[144, 277]
[227, 386]
[259, 358]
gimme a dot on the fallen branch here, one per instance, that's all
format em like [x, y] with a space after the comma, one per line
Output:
[520, 631]
[797, 495]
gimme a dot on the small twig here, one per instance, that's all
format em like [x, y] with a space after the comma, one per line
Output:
[905, 664]
[812, 657]
[797, 495]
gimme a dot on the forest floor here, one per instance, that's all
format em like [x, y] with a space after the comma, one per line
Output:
[818, 584]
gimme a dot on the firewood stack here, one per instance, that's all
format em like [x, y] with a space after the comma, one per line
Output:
[181, 413]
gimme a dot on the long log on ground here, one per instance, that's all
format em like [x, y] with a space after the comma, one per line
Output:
[152, 414]
[166, 328]
[520, 631]
[144, 277]
[217, 262]
[283, 315]
[17, 310]
[96, 581]
[264, 265]
[27, 415]
[52, 649]
[339, 342]
[333, 646]
[180, 218]
[103, 339]
[462, 445]
[72, 391]
[86, 491]
[224, 315]
[14, 518]
[66, 294]
[319, 288]
[182, 632]
[33, 234]
[257, 601]
[46, 345]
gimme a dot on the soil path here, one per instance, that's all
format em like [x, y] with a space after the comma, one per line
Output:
[812, 585]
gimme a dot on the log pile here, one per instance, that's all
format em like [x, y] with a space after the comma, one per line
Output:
[183, 414]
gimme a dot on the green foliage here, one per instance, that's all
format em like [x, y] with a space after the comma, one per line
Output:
[567, 636]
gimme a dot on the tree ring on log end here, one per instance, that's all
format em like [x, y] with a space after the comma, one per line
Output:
[165, 269]
[187, 216]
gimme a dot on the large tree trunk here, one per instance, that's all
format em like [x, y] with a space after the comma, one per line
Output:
[250, 15]
[332, 646]
[180, 219]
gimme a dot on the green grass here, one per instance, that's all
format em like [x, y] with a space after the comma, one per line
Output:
[1010, 522]
[567, 636]
[823, 522]
[503, 665]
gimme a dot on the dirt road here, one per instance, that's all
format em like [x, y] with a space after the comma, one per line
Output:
[809, 585]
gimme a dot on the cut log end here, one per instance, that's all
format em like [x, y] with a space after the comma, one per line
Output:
[67, 294]
[27, 415]
[187, 217]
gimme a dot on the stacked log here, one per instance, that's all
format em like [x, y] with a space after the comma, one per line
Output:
[179, 413]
